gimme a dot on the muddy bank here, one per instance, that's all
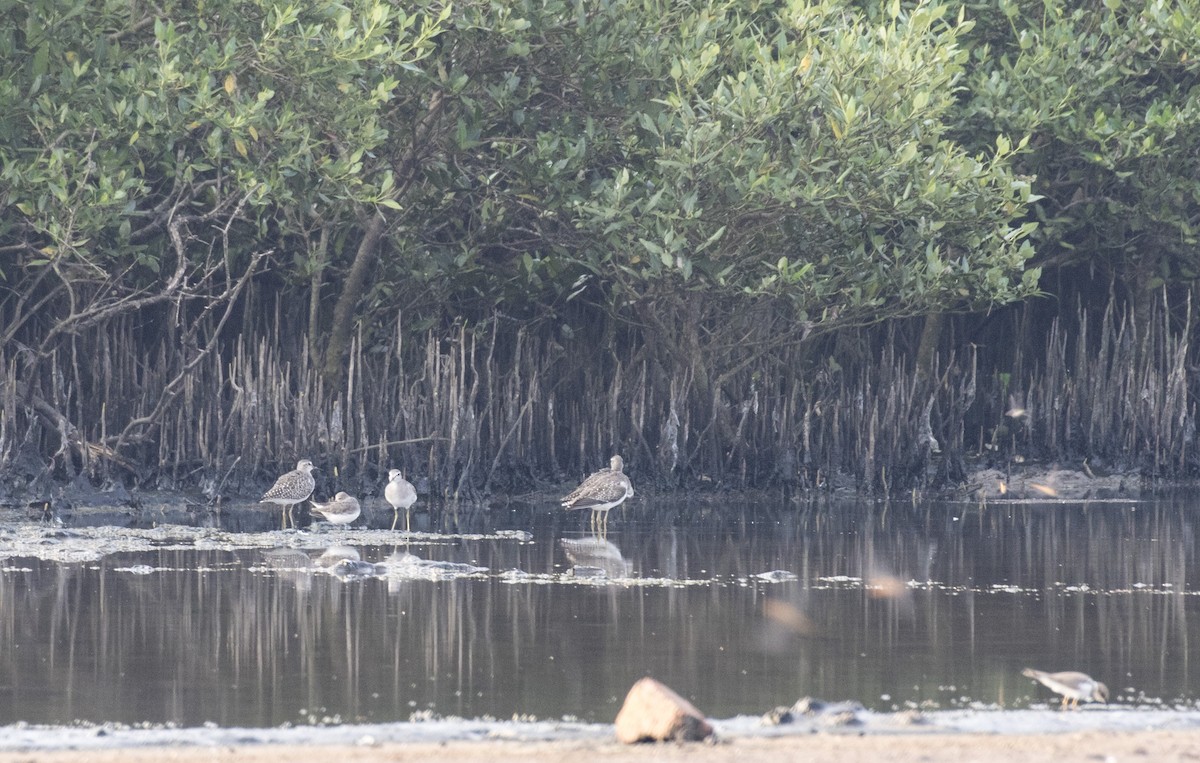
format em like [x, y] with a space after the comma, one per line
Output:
[1088, 746]
[1035, 734]
[80, 504]
[1051, 482]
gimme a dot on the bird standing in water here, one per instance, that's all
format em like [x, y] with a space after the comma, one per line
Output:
[342, 510]
[291, 488]
[600, 492]
[401, 495]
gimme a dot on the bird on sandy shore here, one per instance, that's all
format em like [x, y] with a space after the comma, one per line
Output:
[1072, 685]
[342, 510]
[401, 495]
[291, 488]
[600, 492]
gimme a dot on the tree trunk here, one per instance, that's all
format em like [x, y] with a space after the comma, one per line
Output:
[343, 311]
[314, 297]
[931, 334]
[406, 168]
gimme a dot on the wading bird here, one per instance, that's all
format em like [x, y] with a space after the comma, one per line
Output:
[342, 510]
[600, 492]
[401, 495]
[291, 488]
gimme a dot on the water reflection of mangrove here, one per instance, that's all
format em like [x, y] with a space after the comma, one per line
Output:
[911, 604]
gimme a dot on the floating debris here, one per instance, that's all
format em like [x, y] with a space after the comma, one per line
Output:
[355, 569]
[583, 571]
[777, 576]
[411, 567]
[91, 544]
[138, 569]
[519, 535]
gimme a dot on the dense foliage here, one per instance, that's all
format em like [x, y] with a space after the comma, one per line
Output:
[1109, 95]
[729, 150]
[714, 183]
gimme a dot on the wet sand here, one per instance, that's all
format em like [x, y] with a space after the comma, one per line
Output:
[956, 736]
[847, 748]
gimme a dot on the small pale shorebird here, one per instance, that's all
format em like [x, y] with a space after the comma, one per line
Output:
[401, 495]
[601, 491]
[1072, 685]
[342, 510]
[291, 488]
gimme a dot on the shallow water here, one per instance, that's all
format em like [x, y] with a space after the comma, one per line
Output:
[520, 612]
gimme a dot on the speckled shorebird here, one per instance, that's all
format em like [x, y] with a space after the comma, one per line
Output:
[1072, 685]
[342, 510]
[601, 491]
[291, 488]
[401, 495]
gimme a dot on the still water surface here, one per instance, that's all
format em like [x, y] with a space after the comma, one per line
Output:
[895, 606]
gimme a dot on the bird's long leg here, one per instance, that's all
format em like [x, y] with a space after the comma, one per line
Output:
[395, 518]
[408, 520]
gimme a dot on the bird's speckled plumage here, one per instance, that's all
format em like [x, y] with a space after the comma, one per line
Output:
[342, 510]
[293, 487]
[602, 490]
[401, 495]
[1071, 684]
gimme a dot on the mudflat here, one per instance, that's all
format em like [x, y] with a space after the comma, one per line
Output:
[1180, 745]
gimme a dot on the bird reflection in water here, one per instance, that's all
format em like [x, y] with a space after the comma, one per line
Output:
[595, 556]
[345, 563]
[341, 562]
[782, 619]
[291, 565]
[335, 554]
[883, 585]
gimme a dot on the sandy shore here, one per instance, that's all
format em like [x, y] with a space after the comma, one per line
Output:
[949, 736]
[846, 748]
